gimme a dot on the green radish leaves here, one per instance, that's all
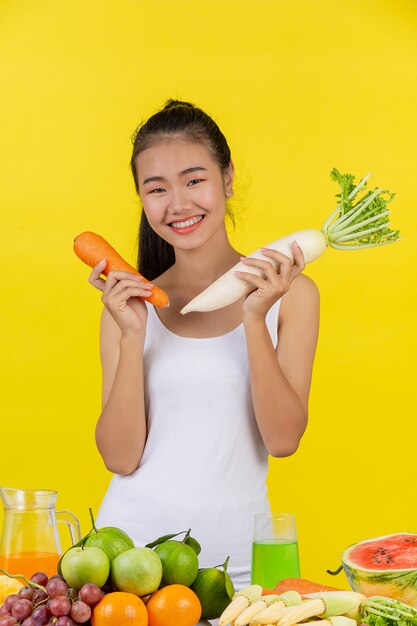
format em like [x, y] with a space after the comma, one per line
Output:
[359, 222]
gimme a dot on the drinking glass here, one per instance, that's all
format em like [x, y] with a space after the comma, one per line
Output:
[274, 549]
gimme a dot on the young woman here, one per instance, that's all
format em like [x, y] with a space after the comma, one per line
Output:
[193, 404]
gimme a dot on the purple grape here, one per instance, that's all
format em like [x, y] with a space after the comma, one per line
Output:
[40, 615]
[40, 578]
[3, 611]
[72, 594]
[80, 612]
[39, 596]
[90, 594]
[22, 609]
[57, 576]
[64, 621]
[59, 606]
[8, 620]
[26, 592]
[9, 601]
[27, 622]
[56, 587]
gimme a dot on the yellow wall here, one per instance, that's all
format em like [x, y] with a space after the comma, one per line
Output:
[297, 86]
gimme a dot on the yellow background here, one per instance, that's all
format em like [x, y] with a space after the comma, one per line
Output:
[297, 87]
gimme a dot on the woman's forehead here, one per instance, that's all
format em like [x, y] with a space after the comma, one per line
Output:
[174, 155]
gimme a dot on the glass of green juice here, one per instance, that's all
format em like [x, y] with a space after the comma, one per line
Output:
[274, 549]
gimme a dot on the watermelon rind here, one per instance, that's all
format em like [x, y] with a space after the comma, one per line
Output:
[400, 584]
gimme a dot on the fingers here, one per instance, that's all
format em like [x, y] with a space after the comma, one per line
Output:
[267, 268]
[254, 279]
[116, 275]
[119, 302]
[121, 284]
[94, 278]
[115, 280]
[288, 268]
[299, 260]
[280, 279]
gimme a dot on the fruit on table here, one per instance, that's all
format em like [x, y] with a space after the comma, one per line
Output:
[113, 541]
[385, 566]
[120, 608]
[179, 563]
[214, 589]
[81, 565]
[8, 586]
[173, 605]
[137, 571]
[50, 601]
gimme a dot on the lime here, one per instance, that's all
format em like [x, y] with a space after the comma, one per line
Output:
[215, 590]
[179, 563]
[113, 541]
[8, 586]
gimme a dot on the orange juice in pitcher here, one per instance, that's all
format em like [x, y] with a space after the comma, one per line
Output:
[30, 539]
[27, 563]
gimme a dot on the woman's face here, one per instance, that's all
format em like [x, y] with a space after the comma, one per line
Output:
[183, 191]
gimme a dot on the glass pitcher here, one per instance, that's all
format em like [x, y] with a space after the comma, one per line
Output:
[30, 539]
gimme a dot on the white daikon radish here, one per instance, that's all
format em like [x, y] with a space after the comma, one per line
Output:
[350, 226]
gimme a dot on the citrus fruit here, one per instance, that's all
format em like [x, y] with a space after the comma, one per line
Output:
[113, 541]
[119, 608]
[214, 589]
[173, 605]
[8, 586]
[137, 571]
[179, 563]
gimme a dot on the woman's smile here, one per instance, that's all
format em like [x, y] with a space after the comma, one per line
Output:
[186, 226]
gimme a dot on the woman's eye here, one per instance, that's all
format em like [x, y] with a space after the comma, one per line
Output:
[157, 189]
[195, 180]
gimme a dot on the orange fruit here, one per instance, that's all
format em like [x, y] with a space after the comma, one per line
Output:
[119, 608]
[173, 605]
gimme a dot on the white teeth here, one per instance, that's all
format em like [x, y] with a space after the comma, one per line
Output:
[193, 220]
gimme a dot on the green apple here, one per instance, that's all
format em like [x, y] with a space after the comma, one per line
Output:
[137, 571]
[81, 565]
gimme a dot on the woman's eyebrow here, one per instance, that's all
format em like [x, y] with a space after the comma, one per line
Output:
[187, 171]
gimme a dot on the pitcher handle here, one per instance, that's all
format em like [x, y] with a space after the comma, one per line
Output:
[70, 520]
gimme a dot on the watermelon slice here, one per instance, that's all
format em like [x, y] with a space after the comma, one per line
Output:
[384, 566]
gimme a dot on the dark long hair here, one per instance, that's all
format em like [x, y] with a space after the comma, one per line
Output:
[177, 118]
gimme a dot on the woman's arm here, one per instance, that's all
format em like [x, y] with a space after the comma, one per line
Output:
[280, 380]
[121, 428]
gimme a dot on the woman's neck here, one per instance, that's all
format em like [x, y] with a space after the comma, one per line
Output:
[203, 265]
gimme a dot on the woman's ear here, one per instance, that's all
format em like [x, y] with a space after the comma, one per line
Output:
[228, 180]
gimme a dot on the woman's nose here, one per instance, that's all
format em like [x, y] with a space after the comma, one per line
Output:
[180, 200]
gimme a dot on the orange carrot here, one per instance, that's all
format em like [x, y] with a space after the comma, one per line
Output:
[301, 585]
[92, 248]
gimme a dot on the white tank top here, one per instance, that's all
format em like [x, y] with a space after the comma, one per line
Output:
[204, 465]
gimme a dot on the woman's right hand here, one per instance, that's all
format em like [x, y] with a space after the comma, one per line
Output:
[119, 297]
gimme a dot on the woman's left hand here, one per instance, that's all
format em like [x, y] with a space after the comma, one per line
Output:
[277, 281]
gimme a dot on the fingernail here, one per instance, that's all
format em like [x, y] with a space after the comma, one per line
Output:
[243, 258]
[238, 273]
[294, 243]
[148, 285]
[102, 262]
